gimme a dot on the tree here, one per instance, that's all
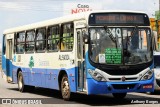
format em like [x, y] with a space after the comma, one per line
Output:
[157, 15]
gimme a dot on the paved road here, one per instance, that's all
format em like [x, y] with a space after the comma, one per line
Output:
[11, 91]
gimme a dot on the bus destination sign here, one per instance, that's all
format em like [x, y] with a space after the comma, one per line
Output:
[117, 19]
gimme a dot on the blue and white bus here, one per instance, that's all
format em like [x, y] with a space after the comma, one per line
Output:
[96, 52]
[157, 70]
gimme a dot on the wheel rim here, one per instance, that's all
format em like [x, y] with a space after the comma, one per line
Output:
[20, 82]
[65, 88]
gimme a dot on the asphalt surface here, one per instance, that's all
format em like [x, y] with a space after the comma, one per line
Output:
[53, 98]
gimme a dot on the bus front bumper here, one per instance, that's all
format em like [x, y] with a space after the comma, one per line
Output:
[95, 87]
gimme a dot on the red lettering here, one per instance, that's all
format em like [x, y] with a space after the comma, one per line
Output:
[122, 18]
[106, 18]
[74, 11]
[129, 18]
[79, 10]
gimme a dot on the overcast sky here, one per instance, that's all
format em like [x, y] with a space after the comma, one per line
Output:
[15, 13]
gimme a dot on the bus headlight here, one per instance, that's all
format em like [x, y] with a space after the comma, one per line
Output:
[96, 75]
[148, 75]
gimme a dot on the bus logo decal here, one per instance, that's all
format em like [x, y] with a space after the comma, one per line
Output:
[123, 78]
[31, 62]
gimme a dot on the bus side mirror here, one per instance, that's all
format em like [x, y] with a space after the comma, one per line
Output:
[85, 37]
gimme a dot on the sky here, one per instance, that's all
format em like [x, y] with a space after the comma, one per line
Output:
[15, 13]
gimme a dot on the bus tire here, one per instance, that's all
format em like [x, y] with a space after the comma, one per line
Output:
[119, 95]
[65, 88]
[21, 85]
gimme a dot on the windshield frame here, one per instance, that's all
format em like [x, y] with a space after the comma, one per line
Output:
[123, 63]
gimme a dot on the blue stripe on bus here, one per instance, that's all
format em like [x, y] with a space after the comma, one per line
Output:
[6, 66]
[88, 65]
[47, 78]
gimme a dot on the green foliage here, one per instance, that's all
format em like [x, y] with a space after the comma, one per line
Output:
[157, 15]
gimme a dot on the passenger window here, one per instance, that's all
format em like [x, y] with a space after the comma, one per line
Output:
[53, 38]
[41, 40]
[30, 41]
[20, 44]
[4, 44]
[67, 38]
[78, 45]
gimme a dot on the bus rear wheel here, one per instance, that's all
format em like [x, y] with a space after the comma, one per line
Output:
[119, 95]
[21, 85]
[65, 88]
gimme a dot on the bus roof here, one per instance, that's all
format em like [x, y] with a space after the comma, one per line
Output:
[64, 19]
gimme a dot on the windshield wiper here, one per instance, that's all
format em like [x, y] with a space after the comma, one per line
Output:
[110, 35]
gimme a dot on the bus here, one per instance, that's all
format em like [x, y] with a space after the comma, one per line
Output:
[157, 71]
[96, 52]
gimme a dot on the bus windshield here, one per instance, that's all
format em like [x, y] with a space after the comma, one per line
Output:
[120, 45]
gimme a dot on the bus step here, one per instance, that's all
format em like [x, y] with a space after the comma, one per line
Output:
[82, 92]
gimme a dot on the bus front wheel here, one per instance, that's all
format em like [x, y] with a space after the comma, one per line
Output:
[21, 85]
[119, 95]
[65, 89]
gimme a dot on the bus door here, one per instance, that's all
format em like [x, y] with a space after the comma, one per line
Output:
[9, 57]
[81, 85]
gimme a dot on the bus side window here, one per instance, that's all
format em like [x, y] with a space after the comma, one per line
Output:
[79, 45]
[67, 39]
[30, 41]
[4, 44]
[20, 42]
[41, 40]
[15, 38]
[53, 38]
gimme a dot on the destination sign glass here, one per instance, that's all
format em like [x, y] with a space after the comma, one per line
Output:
[118, 19]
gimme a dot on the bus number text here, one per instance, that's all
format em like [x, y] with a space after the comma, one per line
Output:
[63, 57]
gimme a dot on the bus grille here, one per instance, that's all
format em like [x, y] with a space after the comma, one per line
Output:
[120, 79]
[123, 86]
